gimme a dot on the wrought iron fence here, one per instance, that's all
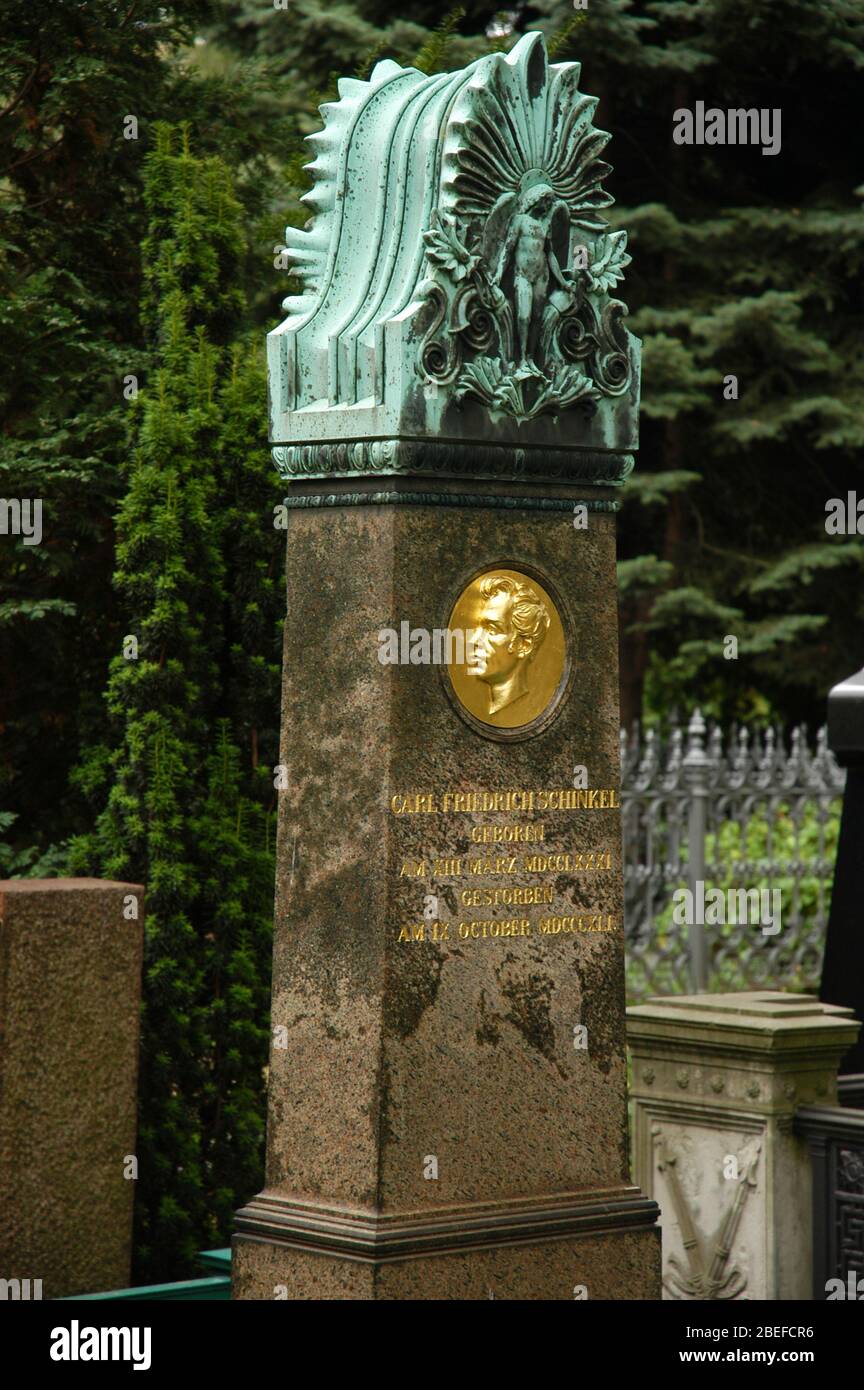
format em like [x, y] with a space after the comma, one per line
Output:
[737, 812]
[835, 1137]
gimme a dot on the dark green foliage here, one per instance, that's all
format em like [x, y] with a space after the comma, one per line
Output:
[186, 811]
[28, 862]
[72, 218]
[744, 265]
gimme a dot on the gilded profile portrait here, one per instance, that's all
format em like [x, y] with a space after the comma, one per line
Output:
[514, 649]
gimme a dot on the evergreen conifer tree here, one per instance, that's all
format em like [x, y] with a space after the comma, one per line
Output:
[744, 266]
[81, 87]
[184, 812]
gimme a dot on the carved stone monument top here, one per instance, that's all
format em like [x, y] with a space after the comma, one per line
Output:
[458, 280]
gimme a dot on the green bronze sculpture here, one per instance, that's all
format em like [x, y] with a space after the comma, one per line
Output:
[457, 275]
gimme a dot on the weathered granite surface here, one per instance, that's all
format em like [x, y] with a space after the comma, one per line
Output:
[70, 983]
[623, 1268]
[463, 1050]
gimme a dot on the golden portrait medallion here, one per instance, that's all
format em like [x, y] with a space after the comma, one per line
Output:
[514, 648]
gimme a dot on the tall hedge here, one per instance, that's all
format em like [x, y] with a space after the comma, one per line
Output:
[184, 791]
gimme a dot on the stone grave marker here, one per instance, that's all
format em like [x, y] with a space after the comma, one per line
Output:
[454, 405]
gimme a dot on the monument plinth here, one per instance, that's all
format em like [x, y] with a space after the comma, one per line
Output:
[454, 399]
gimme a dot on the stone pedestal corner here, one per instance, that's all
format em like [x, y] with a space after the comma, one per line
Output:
[717, 1079]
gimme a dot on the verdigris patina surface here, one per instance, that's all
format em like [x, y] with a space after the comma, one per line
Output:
[458, 278]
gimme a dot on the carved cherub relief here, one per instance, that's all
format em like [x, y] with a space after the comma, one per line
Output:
[530, 232]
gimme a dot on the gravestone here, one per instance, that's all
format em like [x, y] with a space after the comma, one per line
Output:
[70, 993]
[454, 404]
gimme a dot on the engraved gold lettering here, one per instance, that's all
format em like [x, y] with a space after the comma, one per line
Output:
[413, 804]
[518, 799]
[492, 897]
[587, 922]
[507, 834]
[447, 867]
[413, 869]
[477, 931]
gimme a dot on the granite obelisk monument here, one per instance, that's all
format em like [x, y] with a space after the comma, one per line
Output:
[454, 405]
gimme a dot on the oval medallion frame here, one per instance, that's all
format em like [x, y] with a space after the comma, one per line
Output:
[556, 703]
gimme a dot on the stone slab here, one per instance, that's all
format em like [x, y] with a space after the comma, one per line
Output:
[70, 982]
[621, 1267]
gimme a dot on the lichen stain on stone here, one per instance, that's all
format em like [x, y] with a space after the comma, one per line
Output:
[487, 1031]
[449, 895]
[581, 893]
[332, 939]
[530, 1012]
[413, 987]
[601, 989]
